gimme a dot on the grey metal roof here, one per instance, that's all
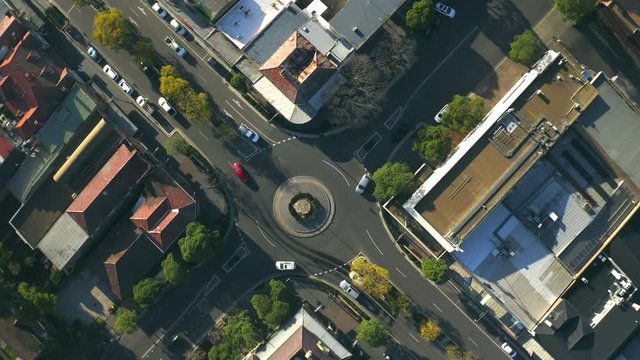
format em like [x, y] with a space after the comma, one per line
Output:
[318, 36]
[365, 16]
[63, 241]
[280, 29]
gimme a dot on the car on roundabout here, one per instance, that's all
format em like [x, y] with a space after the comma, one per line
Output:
[285, 265]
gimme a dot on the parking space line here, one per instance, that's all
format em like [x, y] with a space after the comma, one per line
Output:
[414, 338]
[206, 138]
[401, 273]
[392, 120]
[203, 78]
[375, 138]
[474, 343]
[434, 304]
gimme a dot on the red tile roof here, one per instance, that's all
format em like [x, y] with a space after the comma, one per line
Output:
[150, 212]
[11, 31]
[6, 147]
[107, 188]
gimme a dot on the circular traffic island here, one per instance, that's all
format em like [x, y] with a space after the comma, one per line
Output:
[303, 206]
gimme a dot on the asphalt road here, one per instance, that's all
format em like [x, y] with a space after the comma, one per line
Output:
[475, 42]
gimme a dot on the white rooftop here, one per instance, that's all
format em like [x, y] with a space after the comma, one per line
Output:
[247, 18]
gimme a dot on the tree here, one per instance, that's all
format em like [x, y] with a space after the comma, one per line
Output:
[126, 321]
[196, 106]
[430, 330]
[279, 290]
[453, 352]
[373, 278]
[176, 144]
[111, 29]
[420, 16]
[147, 291]
[241, 331]
[278, 314]
[272, 307]
[392, 179]
[43, 303]
[373, 333]
[433, 142]
[145, 52]
[401, 302]
[238, 82]
[261, 304]
[223, 351]
[395, 54]
[198, 242]
[575, 10]
[464, 113]
[434, 269]
[526, 48]
[174, 270]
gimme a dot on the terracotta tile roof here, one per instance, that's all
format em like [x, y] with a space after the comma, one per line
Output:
[150, 212]
[6, 147]
[11, 31]
[290, 347]
[23, 342]
[107, 188]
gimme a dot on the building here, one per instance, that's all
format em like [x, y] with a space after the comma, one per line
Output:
[623, 18]
[22, 341]
[537, 191]
[303, 337]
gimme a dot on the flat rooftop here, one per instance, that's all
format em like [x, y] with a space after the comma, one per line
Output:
[247, 18]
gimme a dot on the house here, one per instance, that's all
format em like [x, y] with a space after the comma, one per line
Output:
[534, 194]
[34, 79]
[302, 337]
[20, 340]
[623, 18]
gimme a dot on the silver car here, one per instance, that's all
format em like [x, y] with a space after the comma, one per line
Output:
[362, 185]
[285, 265]
[350, 290]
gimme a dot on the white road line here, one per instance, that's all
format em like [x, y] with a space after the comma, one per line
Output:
[265, 236]
[474, 343]
[338, 170]
[250, 123]
[142, 10]
[227, 113]
[434, 304]
[206, 138]
[374, 243]
[401, 273]
[414, 338]
[152, 346]
[392, 120]
[70, 9]
[237, 103]
[203, 78]
[133, 21]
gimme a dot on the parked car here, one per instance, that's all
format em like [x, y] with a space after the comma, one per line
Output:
[159, 10]
[164, 104]
[285, 265]
[145, 105]
[177, 27]
[445, 10]
[438, 117]
[93, 54]
[110, 72]
[509, 350]
[125, 87]
[175, 46]
[239, 170]
[244, 130]
[362, 185]
[350, 290]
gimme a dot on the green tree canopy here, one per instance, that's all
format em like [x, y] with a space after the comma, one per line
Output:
[526, 48]
[173, 269]
[198, 242]
[464, 113]
[392, 179]
[272, 306]
[430, 330]
[44, 303]
[261, 304]
[433, 142]
[421, 15]
[373, 333]
[278, 314]
[146, 291]
[575, 10]
[111, 29]
[126, 321]
[373, 278]
[241, 331]
[145, 52]
[434, 269]
[195, 106]
[401, 302]
[238, 82]
[224, 351]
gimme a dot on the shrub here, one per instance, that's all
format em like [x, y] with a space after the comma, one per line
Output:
[433, 142]
[526, 48]
[373, 333]
[146, 291]
[434, 269]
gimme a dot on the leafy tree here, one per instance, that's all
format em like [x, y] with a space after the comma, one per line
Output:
[279, 290]
[176, 144]
[434, 269]
[430, 330]
[464, 113]
[241, 331]
[453, 352]
[401, 303]
[238, 82]
[145, 52]
[196, 106]
[373, 278]
[44, 303]
[111, 29]
[223, 351]
[261, 304]
[173, 269]
[392, 179]
[575, 10]
[395, 55]
[273, 306]
[168, 70]
[373, 333]
[278, 314]
[147, 291]
[526, 48]
[198, 242]
[6, 256]
[420, 16]
[433, 142]
[126, 321]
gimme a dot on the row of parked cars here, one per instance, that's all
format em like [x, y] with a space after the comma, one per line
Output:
[176, 26]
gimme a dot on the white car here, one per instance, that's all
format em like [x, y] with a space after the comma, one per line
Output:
[362, 185]
[350, 290]
[445, 10]
[285, 265]
[438, 117]
[159, 10]
[509, 350]
[177, 27]
[175, 46]
[144, 104]
[125, 87]
[111, 73]
[244, 130]
[164, 104]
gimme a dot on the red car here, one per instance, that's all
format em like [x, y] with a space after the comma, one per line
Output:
[239, 170]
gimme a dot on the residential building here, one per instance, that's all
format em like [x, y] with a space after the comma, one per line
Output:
[22, 341]
[623, 18]
[535, 193]
[302, 337]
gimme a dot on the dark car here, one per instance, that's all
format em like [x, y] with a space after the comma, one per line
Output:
[94, 55]
[239, 170]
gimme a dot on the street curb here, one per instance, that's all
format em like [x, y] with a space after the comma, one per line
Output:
[404, 139]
